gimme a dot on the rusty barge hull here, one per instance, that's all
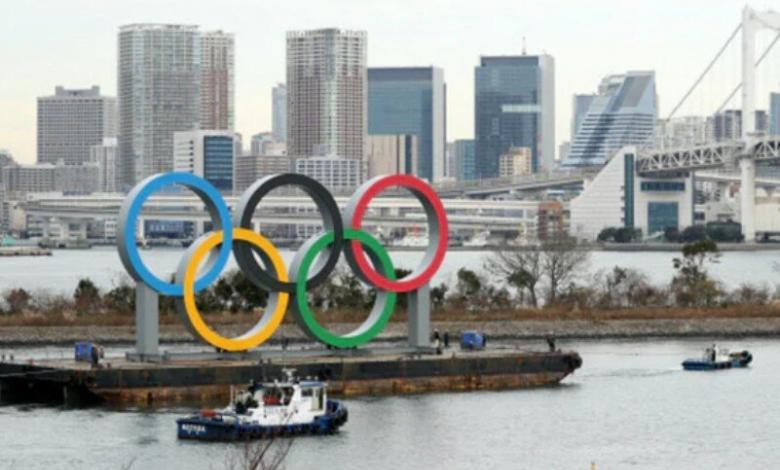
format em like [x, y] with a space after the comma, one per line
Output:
[142, 384]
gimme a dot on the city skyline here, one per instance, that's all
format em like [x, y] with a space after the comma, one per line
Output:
[452, 43]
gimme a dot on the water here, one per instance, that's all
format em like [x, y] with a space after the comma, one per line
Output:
[630, 406]
[59, 274]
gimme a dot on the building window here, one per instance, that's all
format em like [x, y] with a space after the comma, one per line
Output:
[662, 186]
[661, 215]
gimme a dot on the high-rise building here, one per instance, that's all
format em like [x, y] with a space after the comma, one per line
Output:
[249, 168]
[580, 106]
[515, 162]
[159, 93]
[208, 154]
[411, 100]
[279, 112]
[326, 93]
[334, 173]
[774, 114]
[71, 121]
[104, 155]
[463, 159]
[216, 84]
[679, 132]
[265, 144]
[21, 179]
[623, 112]
[727, 124]
[391, 154]
[82, 178]
[514, 106]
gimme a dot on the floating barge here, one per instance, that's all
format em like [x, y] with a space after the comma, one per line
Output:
[24, 251]
[349, 373]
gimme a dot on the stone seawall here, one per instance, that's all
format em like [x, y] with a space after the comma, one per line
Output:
[12, 336]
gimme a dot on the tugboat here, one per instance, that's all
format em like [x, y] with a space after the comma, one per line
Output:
[287, 408]
[714, 359]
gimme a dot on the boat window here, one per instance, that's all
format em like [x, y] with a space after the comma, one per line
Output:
[307, 392]
[316, 403]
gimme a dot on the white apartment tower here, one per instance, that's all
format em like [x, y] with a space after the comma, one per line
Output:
[326, 93]
[159, 92]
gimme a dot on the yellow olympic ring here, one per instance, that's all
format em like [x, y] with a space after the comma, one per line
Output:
[268, 323]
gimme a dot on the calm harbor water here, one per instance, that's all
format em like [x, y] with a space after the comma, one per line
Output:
[60, 273]
[630, 406]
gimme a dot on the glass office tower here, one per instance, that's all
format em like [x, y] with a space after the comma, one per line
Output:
[412, 101]
[514, 106]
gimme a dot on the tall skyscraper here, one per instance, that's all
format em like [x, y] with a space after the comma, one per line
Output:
[727, 124]
[207, 153]
[514, 106]
[326, 93]
[411, 100]
[159, 93]
[463, 159]
[774, 114]
[279, 112]
[580, 106]
[216, 83]
[72, 121]
[623, 112]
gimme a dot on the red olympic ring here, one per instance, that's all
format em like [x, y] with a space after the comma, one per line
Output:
[439, 230]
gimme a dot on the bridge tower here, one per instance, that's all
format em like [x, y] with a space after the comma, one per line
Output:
[752, 22]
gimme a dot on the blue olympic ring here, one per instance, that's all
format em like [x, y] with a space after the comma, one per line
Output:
[129, 214]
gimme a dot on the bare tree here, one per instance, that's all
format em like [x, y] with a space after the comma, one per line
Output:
[556, 261]
[562, 262]
[521, 268]
[261, 454]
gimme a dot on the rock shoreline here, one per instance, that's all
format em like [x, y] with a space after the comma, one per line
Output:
[12, 336]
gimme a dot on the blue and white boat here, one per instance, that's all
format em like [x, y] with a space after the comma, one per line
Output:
[715, 358]
[287, 408]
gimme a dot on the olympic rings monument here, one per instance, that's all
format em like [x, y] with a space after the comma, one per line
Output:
[148, 376]
[205, 259]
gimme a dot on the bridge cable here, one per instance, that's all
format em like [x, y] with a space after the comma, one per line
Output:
[739, 86]
[706, 70]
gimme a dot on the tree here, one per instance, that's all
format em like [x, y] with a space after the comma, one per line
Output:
[672, 234]
[120, 299]
[18, 300]
[522, 269]
[692, 284]
[627, 287]
[248, 295]
[627, 235]
[86, 297]
[620, 235]
[607, 234]
[556, 261]
[438, 295]
[562, 260]
[692, 234]
[224, 293]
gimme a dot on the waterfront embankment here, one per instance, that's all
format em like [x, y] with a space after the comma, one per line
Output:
[13, 336]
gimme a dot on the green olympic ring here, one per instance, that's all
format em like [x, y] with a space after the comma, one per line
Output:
[383, 305]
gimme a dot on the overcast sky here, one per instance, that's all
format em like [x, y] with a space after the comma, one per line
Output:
[73, 43]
